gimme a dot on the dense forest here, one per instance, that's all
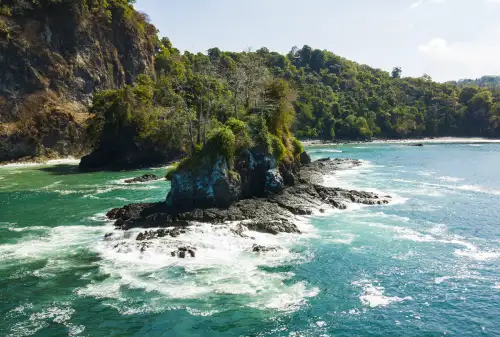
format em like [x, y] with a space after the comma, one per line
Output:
[329, 97]
[177, 107]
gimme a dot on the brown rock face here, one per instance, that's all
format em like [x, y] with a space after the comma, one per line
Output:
[53, 56]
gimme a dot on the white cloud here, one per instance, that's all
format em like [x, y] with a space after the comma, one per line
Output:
[420, 2]
[460, 59]
[416, 4]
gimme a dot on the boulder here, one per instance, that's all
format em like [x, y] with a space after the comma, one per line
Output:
[264, 249]
[142, 179]
[305, 159]
[183, 252]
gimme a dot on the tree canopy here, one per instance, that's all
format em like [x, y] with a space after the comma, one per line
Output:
[263, 97]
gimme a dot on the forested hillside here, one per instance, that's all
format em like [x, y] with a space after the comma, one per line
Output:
[332, 98]
[492, 82]
[150, 103]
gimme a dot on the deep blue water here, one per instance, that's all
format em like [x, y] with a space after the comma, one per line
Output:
[425, 265]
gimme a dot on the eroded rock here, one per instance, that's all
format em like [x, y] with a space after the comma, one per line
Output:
[183, 252]
[142, 179]
[264, 249]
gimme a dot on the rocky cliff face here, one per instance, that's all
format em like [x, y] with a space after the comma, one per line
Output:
[53, 56]
[211, 183]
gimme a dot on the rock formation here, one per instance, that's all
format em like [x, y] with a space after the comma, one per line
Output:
[53, 56]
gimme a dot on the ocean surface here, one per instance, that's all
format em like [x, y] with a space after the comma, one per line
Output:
[426, 265]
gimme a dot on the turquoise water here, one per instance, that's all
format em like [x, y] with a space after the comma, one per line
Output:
[426, 265]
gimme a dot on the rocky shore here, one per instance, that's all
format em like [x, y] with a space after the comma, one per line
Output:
[272, 214]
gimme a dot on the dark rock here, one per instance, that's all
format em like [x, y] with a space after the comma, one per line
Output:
[417, 145]
[264, 249]
[274, 182]
[209, 184]
[273, 226]
[175, 232]
[305, 159]
[182, 252]
[142, 179]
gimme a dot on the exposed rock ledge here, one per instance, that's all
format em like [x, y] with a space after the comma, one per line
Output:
[273, 214]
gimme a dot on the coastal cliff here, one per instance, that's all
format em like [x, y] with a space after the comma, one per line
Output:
[54, 55]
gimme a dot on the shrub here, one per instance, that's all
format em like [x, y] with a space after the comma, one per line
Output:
[221, 142]
[5, 10]
[240, 131]
[171, 171]
[298, 148]
[278, 148]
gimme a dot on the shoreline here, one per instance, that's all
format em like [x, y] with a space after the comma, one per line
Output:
[70, 160]
[307, 143]
[439, 140]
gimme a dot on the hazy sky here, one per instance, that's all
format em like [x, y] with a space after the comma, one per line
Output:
[447, 39]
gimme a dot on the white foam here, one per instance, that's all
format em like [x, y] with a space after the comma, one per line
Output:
[122, 181]
[381, 215]
[476, 254]
[471, 188]
[27, 229]
[224, 264]
[496, 286]
[450, 179]
[442, 279]
[373, 295]
[100, 217]
[425, 173]
[443, 140]
[324, 151]
[340, 237]
[35, 321]
[59, 241]
[439, 234]
[65, 192]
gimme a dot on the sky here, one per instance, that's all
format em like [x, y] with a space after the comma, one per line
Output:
[446, 39]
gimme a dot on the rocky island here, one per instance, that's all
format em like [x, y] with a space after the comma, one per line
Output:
[264, 198]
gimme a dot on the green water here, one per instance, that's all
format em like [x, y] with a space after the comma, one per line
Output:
[426, 265]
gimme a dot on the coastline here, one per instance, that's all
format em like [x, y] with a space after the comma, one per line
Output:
[66, 160]
[439, 140]
[71, 160]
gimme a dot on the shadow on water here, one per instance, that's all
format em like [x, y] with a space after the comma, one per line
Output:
[62, 169]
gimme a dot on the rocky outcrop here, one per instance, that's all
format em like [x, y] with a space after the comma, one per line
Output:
[272, 214]
[53, 56]
[208, 184]
[142, 179]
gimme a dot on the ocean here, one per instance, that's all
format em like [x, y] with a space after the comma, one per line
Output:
[428, 264]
